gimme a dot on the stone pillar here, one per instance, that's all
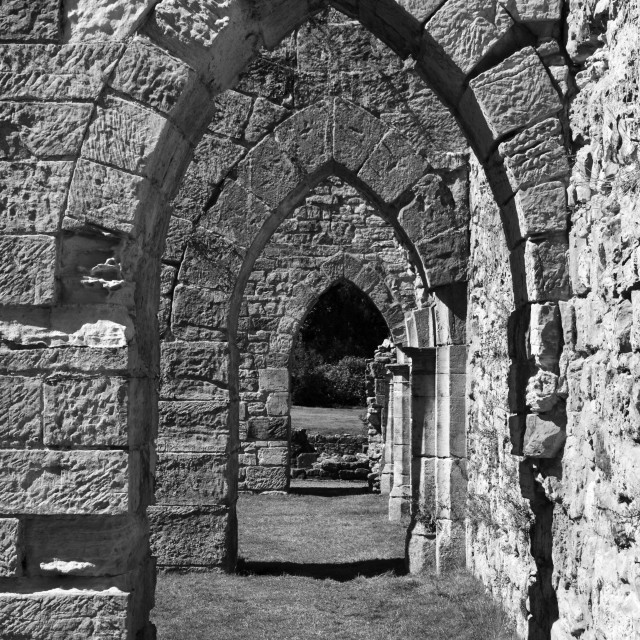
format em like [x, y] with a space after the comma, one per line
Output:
[386, 477]
[451, 468]
[422, 531]
[400, 496]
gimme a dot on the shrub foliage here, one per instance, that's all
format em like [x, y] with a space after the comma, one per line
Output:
[337, 337]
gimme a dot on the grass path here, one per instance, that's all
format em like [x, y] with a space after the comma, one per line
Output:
[329, 421]
[317, 567]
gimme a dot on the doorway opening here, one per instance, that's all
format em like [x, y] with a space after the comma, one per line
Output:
[329, 362]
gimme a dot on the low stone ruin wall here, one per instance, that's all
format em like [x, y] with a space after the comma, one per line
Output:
[338, 457]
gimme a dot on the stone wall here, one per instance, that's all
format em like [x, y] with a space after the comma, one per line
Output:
[499, 519]
[595, 528]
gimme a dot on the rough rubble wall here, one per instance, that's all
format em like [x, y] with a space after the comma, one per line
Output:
[593, 538]
[597, 515]
[498, 540]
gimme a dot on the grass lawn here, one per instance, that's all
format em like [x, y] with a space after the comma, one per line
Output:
[329, 421]
[316, 567]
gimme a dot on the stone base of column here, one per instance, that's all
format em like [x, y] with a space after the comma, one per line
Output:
[450, 545]
[386, 479]
[400, 502]
[421, 549]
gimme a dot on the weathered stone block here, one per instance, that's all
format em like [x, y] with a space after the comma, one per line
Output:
[356, 133]
[273, 456]
[88, 413]
[191, 479]
[105, 196]
[392, 167]
[20, 412]
[211, 261]
[545, 434]
[27, 273]
[32, 130]
[126, 135]
[540, 270]
[278, 404]
[467, 30]
[264, 117]
[232, 114]
[189, 536]
[445, 257]
[256, 173]
[538, 10]
[199, 314]
[545, 335]
[194, 370]
[213, 159]
[51, 72]
[151, 76]
[266, 479]
[10, 548]
[32, 196]
[306, 460]
[542, 209]
[274, 379]
[193, 426]
[87, 546]
[263, 428]
[542, 391]
[536, 155]
[60, 614]
[502, 100]
[189, 29]
[35, 20]
[86, 22]
[307, 136]
[73, 482]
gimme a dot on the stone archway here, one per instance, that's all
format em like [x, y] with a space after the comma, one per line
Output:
[235, 229]
[88, 277]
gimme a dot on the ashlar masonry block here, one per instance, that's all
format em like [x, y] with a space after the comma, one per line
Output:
[273, 379]
[191, 479]
[59, 614]
[515, 92]
[89, 412]
[467, 29]
[59, 482]
[27, 272]
[20, 412]
[10, 548]
[33, 195]
[189, 535]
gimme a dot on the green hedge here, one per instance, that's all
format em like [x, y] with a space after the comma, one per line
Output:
[317, 383]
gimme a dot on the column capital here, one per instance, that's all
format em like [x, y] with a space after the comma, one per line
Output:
[399, 370]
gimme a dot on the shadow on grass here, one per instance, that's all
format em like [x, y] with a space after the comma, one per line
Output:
[329, 492]
[340, 572]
